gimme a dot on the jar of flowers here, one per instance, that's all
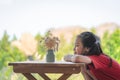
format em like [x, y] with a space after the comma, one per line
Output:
[51, 43]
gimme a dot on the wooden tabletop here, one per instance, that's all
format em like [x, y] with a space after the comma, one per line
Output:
[42, 63]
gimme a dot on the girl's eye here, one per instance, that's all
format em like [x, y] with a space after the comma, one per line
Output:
[76, 45]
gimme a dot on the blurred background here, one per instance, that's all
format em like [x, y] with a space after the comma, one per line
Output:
[23, 23]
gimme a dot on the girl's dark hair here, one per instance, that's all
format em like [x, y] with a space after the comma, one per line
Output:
[92, 42]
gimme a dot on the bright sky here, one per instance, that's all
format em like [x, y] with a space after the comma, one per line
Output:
[19, 16]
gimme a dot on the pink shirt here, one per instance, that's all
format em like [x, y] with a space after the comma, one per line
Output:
[101, 70]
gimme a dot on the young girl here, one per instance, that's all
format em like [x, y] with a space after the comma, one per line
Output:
[98, 66]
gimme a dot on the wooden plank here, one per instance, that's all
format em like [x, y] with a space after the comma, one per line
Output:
[38, 63]
[37, 69]
[29, 76]
[45, 77]
[64, 76]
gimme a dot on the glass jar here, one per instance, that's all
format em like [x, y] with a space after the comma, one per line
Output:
[50, 57]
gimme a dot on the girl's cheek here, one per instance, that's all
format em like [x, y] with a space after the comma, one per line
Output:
[78, 51]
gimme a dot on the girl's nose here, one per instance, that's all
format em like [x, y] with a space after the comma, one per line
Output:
[74, 50]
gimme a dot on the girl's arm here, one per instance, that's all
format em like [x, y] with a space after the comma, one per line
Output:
[80, 58]
[77, 58]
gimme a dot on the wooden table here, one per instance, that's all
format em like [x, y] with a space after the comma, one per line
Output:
[28, 67]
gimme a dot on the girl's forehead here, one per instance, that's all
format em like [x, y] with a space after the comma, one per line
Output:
[77, 41]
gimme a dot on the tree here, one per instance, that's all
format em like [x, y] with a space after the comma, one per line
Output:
[111, 44]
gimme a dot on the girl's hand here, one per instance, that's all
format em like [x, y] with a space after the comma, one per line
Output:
[68, 57]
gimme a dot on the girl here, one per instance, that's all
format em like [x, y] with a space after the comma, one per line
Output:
[98, 66]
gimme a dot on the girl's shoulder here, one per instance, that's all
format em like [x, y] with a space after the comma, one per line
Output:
[103, 60]
[100, 61]
[99, 56]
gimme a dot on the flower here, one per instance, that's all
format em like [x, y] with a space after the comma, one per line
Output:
[51, 42]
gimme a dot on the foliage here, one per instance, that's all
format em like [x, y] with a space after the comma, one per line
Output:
[41, 50]
[8, 54]
[111, 44]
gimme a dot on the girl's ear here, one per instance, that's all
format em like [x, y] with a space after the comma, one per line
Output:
[86, 49]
